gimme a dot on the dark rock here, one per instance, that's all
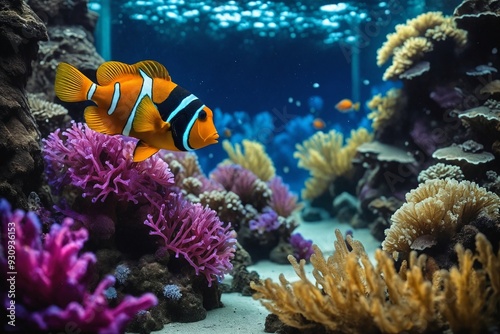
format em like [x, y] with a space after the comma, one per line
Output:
[70, 44]
[61, 12]
[21, 163]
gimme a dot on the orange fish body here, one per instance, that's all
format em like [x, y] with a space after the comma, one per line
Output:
[125, 99]
[318, 124]
[347, 105]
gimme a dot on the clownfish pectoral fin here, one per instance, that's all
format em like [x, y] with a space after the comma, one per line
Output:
[99, 122]
[355, 106]
[147, 117]
[71, 85]
[143, 151]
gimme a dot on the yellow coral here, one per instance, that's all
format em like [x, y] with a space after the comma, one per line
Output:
[351, 295]
[438, 208]
[385, 108]
[254, 158]
[326, 159]
[472, 297]
[406, 56]
[411, 41]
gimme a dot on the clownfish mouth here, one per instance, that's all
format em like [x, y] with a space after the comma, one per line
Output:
[212, 139]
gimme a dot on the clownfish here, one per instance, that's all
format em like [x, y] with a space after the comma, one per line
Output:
[347, 105]
[126, 98]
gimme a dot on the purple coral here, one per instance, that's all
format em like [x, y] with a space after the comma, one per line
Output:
[282, 200]
[241, 181]
[302, 247]
[51, 279]
[196, 233]
[101, 166]
[235, 178]
[267, 221]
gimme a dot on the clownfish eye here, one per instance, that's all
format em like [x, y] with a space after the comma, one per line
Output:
[202, 115]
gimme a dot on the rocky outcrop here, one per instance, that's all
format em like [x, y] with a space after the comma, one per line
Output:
[21, 163]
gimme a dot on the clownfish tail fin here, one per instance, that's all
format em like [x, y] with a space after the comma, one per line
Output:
[72, 85]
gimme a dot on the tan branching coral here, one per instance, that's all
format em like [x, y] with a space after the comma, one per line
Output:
[386, 108]
[411, 41]
[326, 158]
[351, 295]
[441, 171]
[472, 297]
[438, 209]
[254, 158]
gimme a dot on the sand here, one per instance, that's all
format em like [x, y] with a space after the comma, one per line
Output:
[243, 314]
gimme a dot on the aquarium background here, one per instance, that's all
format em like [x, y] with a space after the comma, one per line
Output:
[266, 68]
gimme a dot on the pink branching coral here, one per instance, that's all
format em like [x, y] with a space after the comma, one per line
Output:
[196, 233]
[283, 202]
[52, 279]
[101, 166]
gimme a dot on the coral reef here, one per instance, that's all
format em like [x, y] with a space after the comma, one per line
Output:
[21, 165]
[100, 166]
[48, 116]
[197, 234]
[282, 201]
[98, 172]
[435, 212]
[441, 171]
[244, 183]
[124, 203]
[419, 36]
[352, 295]
[52, 280]
[326, 158]
[254, 158]
[385, 108]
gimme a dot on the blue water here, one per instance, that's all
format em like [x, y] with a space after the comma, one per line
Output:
[257, 64]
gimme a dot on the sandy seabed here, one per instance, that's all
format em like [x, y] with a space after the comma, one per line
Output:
[243, 314]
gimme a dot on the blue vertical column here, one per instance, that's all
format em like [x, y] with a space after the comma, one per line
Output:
[103, 30]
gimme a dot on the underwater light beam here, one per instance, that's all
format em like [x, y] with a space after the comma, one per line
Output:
[104, 37]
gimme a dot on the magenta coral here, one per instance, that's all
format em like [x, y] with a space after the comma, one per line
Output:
[234, 178]
[102, 166]
[196, 233]
[51, 279]
[282, 200]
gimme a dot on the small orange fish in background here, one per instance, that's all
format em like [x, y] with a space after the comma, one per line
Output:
[347, 105]
[227, 133]
[125, 97]
[318, 124]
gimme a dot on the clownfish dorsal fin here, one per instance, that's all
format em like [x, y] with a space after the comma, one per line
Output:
[143, 151]
[153, 69]
[148, 118]
[111, 71]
